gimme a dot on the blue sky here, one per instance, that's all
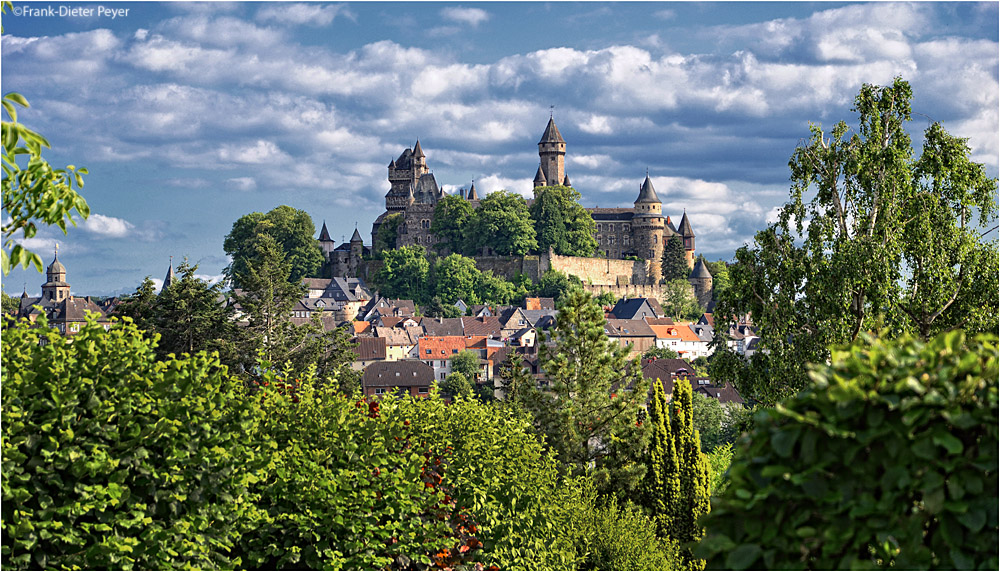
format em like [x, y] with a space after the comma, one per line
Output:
[189, 115]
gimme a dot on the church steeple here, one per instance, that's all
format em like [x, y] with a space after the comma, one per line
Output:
[56, 288]
[473, 195]
[169, 279]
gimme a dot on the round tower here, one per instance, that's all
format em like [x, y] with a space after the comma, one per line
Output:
[647, 228]
[701, 280]
[55, 288]
[552, 155]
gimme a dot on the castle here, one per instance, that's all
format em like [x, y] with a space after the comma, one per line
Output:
[640, 231]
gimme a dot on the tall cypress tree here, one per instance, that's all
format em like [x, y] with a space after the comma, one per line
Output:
[674, 263]
[662, 482]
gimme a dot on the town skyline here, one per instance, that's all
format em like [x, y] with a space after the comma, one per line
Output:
[190, 116]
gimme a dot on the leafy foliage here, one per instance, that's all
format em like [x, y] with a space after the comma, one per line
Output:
[114, 460]
[451, 214]
[622, 537]
[502, 224]
[660, 353]
[457, 278]
[33, 192]
[679, 300]
[872, 237]
[720, 277]
[388, 232]
[719, 460]
[709, 420]
[404, 273]
[457, 385]
[292, 230]
[561, 223]
[10, 304]
[673, 262]
[556, 285]
[889, 460]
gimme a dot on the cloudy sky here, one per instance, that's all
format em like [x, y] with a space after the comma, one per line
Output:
[190, 115]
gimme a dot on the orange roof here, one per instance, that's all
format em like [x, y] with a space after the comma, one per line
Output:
[664, 332]
[475, 341]
[440, 347]
[361, 327]
[532, 304]
[686, 333]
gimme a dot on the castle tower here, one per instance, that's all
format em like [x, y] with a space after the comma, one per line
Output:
[688, 237]
[55, 288]
[404, 175]
[552, 155]
[357, 250]
[701, 281]
[647, 228]
[473, 195]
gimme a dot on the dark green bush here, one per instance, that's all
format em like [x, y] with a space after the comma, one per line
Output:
[114, 460]
[888, 460]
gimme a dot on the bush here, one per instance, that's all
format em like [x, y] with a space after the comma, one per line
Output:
[113, 459]
[888, 460]
[623, 538]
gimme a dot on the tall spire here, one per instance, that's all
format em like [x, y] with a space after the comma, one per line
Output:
[473, 195]
[417, 151]
[647, 194]
[169, 279]
[324, 235]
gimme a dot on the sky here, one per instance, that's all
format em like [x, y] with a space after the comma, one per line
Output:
[190, 115]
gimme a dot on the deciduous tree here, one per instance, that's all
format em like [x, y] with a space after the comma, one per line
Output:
[679, 300]
[502, 223]
[451, 215]
[292, 230]
[872, 237]
[404, 274]
[561, 223]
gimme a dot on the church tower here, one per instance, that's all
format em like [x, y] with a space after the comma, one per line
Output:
[647, 228]
[55, 288]
[552, 157]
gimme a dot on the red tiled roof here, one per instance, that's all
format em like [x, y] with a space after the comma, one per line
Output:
[440, 347]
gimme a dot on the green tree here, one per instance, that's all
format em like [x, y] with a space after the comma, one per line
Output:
[720, 277]
[660, 353]
[328, 353]
[388, 232]
[451, 214]
[457, 385]
[404, 274]
[561, 223]
[438, 309]
[190, 316]
[502, 223]
[679, 300]
[33, 192]
[10, 304]
[554, 284]
[661, 487]
[114, 460]
[266, 303]
[457, 278]
[673, 263]
[140, 306]
[709, 421]
[495, 290]
[292, 230]
[588, 414]
[892, 240]
[466, 362]
[622, 537]
[888, 460]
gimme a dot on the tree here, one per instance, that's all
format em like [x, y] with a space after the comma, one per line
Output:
[466, 362]
[438, 309]
[106, 448]
[660, 353]
[495, 290]
[266, 303]
[590, 412]
[292, 230]
[140, 306]
[190, 316]
[457, 385]
[554, 284]
[388, 232]
[502, 224]
[720, 277]
[561, 223]
[674, 264]
[677, 483]
[404, 274]
[328, 353]
[872, 237]
[709, 420]
[457, 278]
[679, 300]
[10, 304]
[451, 214]
[33, 192]
[888, 460]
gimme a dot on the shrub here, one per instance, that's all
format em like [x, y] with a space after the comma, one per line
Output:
[888, 460]
[623, 538]
[113, 459]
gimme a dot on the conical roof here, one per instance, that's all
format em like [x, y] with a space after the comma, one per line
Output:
[566, 182]
[685, 228]
[417, 151]
[392, 163]
[324, 235]
[56, 267]
[356, 237]
[647, 194]
[540, 176]
[700, 270]
[169, 278]
[473, 195]
[552, 134]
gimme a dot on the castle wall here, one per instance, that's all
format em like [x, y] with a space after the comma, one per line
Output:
[510, 266]
[602, 271]
[627, 290]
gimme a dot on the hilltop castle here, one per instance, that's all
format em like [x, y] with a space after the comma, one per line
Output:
[640, 231]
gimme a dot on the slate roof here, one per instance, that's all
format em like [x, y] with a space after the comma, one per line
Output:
[552, 134]
[685, 228]
[400, 373]
[633, 309]
[443, 326]
[324, 234]
[704, 332]
[628, 328]
[659, 321]
[647, 194]
[606, 214]
[700, 269]
[707, 318]
[725, 394]
[543, 319]
[539, 176]
[356, 237]
[488, 326]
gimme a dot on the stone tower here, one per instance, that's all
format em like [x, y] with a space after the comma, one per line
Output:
[552, 157]
[55, 288]
[404, 175]
[687, 235]
[326, 244]
[647, 228]
[357, 250]
[701, 281]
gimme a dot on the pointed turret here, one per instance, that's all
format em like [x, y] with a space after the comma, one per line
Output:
[417, 151]
[647, 194]
[24, 293]
[392, 163]
[356, 237]
[473, 195]
[700, 270]
[169, 278]
[566, 182]
[324, 234]
[539, 177]
[685, 228]
[552, 134]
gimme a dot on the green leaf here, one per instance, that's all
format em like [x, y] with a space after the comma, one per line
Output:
[743, 556]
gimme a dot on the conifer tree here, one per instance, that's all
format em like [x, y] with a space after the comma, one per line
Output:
[674, 263]
[662, 481]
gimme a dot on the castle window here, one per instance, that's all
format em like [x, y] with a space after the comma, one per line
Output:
[611, 228]
[611, 240]
[600, 239]
[626, 228]
[625, 240]
[655, 239]
[425, 223]
[600, 227]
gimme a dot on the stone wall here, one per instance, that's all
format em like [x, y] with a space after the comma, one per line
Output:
[601, 271]
[627, 291]
[509, 266]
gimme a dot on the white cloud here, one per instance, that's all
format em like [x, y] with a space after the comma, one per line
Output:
[494, 182]
[470, 16]
[107, 226]
[242, 183]
[317, 15]
[260, 152]
[141, 34]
